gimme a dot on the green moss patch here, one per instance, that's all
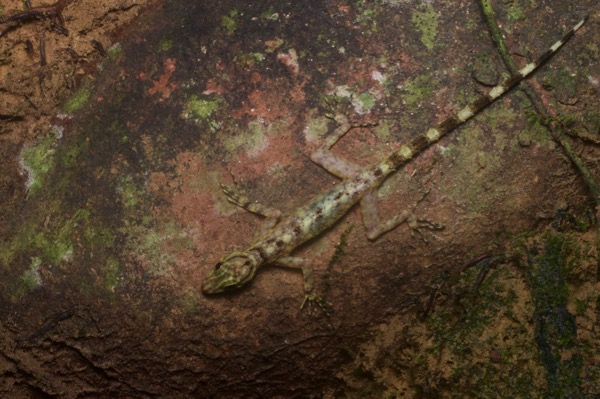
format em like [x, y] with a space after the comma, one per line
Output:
[230, 22]
[77, 101]
[30, 279]
[426, 22]
[37, 160]
[200, 108]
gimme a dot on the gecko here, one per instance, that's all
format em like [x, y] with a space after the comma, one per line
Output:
[280, 236]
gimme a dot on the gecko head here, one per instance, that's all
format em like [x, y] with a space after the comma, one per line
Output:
[232, 271]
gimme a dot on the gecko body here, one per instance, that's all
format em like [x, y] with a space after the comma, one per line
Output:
[280, 236]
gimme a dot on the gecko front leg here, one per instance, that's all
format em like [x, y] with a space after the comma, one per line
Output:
[312, 301]
[238, 197]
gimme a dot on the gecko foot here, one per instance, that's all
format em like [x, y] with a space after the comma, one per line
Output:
[416, 225]
[315, 303]
[235, 195]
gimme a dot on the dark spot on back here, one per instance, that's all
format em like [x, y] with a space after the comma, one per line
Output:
[448, 124]
[481, 103]
[262, 253]
[418, 144]
[397, 159]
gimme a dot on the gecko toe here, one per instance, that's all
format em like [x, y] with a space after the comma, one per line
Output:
[315, 303]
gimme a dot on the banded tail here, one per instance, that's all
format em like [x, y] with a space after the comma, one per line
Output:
[407, 151]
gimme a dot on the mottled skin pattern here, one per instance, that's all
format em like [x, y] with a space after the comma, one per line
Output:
[279, 238]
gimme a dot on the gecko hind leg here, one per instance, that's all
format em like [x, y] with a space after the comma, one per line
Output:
[375, 228]
[312, 301]
[323, 156]
[345, 169]
[238, 197]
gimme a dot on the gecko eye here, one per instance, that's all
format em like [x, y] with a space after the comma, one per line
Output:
[218, 265]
